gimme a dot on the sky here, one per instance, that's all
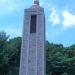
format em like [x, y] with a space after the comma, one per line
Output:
[59, 16]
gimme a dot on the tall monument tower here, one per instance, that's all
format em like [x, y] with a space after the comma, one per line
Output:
[32, 60]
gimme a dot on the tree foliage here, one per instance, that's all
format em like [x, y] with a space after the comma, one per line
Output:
[9, 55]
[60, 60]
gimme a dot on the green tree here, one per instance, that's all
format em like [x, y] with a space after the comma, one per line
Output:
[9, 55]
[14, 47]
[60, 60]
[3, 53]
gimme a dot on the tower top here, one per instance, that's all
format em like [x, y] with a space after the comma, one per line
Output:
[36, 2]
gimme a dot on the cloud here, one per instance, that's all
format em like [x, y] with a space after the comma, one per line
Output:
[69, 20]
[10, 6]
[54, 17]
[66, 22]
[12, 31]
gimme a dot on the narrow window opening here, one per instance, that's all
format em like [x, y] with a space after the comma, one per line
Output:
[33, 24]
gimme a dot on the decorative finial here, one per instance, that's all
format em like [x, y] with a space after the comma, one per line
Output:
[36, 2]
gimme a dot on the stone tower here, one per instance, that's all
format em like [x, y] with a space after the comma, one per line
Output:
[32, 61]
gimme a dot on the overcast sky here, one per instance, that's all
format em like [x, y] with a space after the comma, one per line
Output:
[60, 19]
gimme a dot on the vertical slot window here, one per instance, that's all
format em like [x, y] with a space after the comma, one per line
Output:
[33, 24]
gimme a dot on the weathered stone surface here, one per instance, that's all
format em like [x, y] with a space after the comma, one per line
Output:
[32, 60]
